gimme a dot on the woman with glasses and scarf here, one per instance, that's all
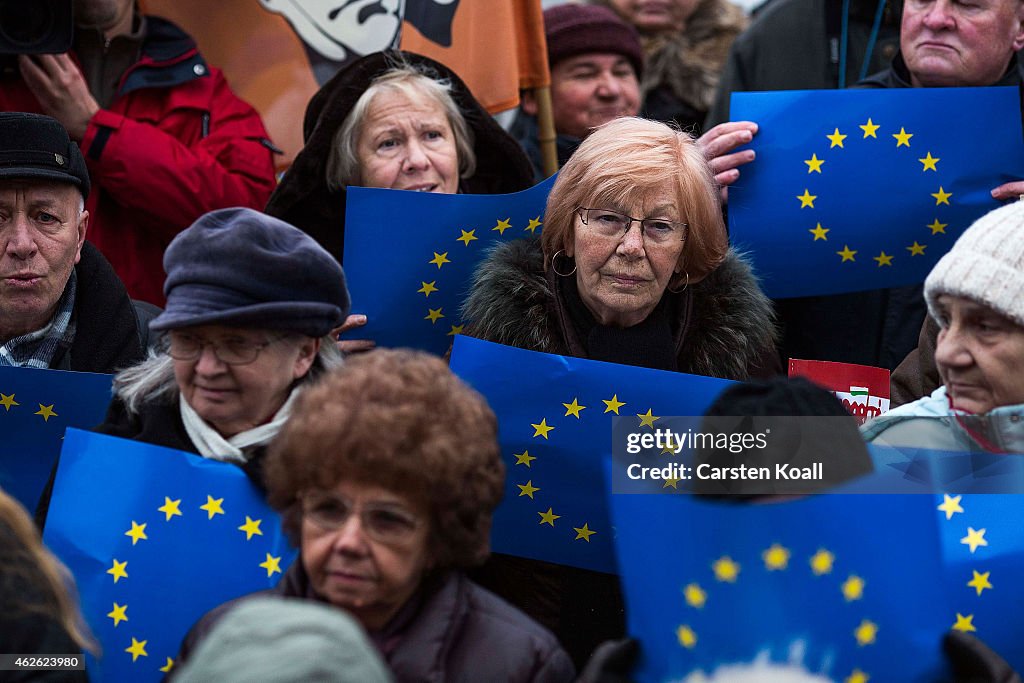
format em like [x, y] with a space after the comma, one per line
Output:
[386, 476]
[633, 267]
[251, 301]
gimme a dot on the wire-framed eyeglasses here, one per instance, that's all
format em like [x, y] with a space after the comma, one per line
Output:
[186, 346]
[382, 522]
[609, 223]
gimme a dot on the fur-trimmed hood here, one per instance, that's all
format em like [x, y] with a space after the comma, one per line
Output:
[690, 63]
[724, 325]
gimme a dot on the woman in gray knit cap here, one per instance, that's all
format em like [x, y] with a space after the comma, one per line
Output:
[976, 295]
[251, 301]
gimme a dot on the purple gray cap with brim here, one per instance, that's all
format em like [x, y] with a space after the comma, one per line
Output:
[242, 268]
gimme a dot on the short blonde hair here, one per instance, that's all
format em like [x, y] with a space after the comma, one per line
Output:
[621, 163]
[414, 83]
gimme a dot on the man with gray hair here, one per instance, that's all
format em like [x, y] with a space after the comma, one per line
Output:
[61, 305]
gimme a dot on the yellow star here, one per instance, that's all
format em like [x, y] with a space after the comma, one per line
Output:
[695, 595]
[502, 226]
[950, 505]
[806, 199]
[847, 254]
[583, 532]
[647, 418]
[668, 448]
[46, 412]
[980, 581]
[883, 259]
[467, 237]
[119, 570]
[439, 259]
[929, 163]
[775, 558]
[573, 409]
[942, 197]
[137, 532]
[725, 569]
[857, 676]
[937, 227]
[541, 429]
[168, 666]
[118, 614]
[434, 314]
[613, 405]
[869, 129]
[973, 539]
[527, 489]
[866, 633]
[137, 649]
[819, 233]
[170, 508]
[271, 564]
[903, 138]
[251, 527]
[212, 506]
[524, 458]
[916, 249]
[836, 138]
[534, 224]
[671, 481]
[7, 401]
[456, 329]
[548, 517]
[853, 588]
[821, 562]
[687, 637]
[428, 288]
[814, 164]
[964, 623]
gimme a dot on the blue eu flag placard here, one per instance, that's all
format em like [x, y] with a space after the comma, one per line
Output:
[864, 189]
[410, 256]
[555, 429]
[155, 538]
[35, 408]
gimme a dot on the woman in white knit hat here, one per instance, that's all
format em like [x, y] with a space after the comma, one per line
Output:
[976, 295]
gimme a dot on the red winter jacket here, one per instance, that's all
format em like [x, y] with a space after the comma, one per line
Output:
[174, 144]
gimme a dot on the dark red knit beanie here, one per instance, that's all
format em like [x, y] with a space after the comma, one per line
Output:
[572, 29]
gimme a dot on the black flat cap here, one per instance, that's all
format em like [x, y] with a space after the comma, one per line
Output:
[37, 146]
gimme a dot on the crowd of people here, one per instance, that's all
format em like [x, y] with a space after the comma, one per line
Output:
[143, 234]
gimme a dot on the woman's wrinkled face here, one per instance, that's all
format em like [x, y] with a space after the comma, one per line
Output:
[407, 144]
[236, 396]
[651, 16]
[622, 278]
[980, 355]
[365, 549]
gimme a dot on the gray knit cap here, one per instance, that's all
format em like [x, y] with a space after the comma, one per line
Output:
[985, 265]
[282, 640]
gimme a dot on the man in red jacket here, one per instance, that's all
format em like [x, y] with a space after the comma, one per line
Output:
[164, 138]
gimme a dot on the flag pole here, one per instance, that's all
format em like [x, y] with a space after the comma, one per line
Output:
[546, 130]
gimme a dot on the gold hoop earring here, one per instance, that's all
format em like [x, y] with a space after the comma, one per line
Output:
[685, 284]
[553, 258]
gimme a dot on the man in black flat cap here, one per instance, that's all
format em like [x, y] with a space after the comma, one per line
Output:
[61, 305]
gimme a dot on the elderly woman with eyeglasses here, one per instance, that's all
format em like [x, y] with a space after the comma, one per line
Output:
[250, 300]
[633, 267]
[386, 476]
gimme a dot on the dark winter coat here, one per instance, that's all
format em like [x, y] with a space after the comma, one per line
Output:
[451, 631]
[722, 326]
[111, 332]
[303, 198]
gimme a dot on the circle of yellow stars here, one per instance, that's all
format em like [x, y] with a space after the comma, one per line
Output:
[441, 259]
[726, 570]
[170, 509]
[975, 540]
[929, 163]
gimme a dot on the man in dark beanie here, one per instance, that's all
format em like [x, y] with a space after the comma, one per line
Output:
[61, 305]
[596, 62]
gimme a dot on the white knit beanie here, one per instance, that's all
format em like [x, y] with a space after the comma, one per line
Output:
[985, 265]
